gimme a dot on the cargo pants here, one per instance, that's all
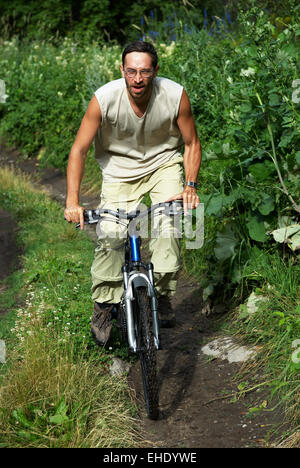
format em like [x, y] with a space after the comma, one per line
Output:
[107, 279]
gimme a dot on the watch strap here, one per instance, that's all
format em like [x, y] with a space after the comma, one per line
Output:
[192, 184]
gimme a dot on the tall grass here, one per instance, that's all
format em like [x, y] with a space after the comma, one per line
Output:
[52, 398]
[275, 329]
[55, 390]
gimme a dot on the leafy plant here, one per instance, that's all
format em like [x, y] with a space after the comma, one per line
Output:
[247, 120]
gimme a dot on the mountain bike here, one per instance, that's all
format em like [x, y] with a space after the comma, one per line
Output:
[137, 314]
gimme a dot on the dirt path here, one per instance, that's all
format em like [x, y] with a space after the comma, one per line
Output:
[194, 412]
[7, 244]
[8, 249]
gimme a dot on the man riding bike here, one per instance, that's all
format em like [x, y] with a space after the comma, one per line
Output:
[139, 123]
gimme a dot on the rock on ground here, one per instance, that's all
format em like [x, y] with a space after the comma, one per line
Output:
[118, 367]
[225, 348]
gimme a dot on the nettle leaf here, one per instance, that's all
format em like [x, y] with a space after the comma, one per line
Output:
[262, 171]
[214, 205]
[251, 196]
[21, 419]
[274, 100]
[246, 107]
[256, 228]
[217, 147]
[267, 205]
[298, 158]
[226, 242]
[60, 416]
[286, 140]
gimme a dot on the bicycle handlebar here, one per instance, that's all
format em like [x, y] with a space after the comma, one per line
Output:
[171, 208]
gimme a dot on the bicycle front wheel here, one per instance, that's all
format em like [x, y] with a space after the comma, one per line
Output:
[147, 351]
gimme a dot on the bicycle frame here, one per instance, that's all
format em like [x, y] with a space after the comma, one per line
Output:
[132, 278]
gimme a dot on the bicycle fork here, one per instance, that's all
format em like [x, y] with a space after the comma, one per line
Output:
[136, 278]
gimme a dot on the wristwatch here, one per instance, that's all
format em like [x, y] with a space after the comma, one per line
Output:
[192, 184]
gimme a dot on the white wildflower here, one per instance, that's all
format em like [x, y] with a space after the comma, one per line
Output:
[230, 80]
[234, 115]
[247, 72]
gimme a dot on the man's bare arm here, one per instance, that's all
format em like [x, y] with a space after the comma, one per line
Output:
[192, 152]
[86, 133]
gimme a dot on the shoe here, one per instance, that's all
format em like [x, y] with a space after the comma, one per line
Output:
[102, 323]
[166, 313]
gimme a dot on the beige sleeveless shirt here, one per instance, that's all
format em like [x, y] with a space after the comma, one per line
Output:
[129, 147]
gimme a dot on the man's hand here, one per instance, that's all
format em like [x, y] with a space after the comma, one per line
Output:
[74, 214]
[189, 197]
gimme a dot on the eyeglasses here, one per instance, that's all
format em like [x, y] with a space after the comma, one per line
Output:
[131, 73]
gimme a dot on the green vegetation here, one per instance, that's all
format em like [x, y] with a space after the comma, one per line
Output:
[243, 90]
[275, 329]
[55, 388]
[118, 21]
[240, 69]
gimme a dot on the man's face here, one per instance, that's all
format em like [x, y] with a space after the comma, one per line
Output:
[139, 73]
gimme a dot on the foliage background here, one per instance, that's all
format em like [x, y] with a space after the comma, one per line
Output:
[111, 19]
[239, 62]
[240, 70]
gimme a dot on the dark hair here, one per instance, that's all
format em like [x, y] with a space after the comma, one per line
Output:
[141, 46]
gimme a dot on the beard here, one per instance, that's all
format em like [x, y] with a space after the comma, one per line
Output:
[139, 91]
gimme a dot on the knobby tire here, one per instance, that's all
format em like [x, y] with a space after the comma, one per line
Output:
[147, 351]
[122, 325]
